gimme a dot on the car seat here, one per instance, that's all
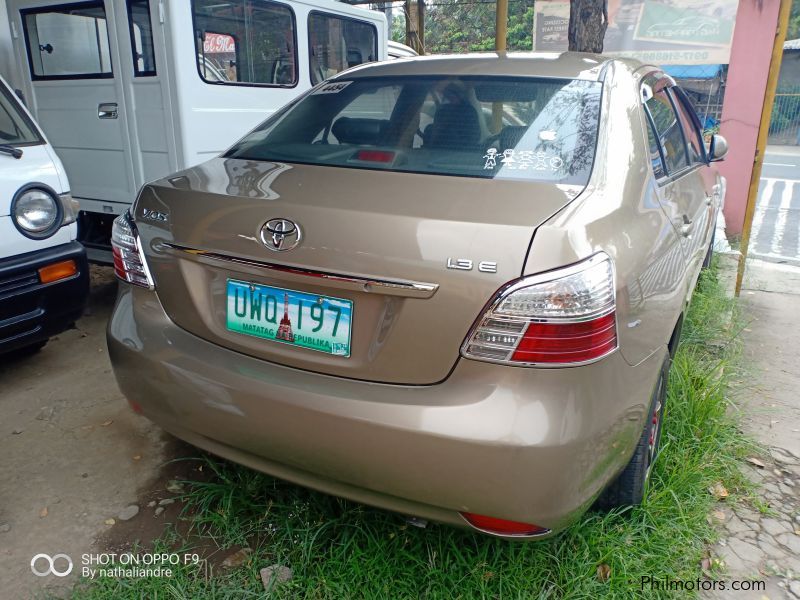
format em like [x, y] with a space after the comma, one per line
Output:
[454, 126]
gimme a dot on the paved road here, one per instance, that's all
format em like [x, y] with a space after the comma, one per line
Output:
[776, 224]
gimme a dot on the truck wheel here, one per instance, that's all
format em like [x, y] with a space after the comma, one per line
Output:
[629, 487]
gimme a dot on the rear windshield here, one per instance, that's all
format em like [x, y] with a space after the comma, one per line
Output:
[15, 127]
[492, 127]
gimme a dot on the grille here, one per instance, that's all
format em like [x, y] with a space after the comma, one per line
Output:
[17, 282]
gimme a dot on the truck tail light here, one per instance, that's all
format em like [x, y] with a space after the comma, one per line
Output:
[503, 527]
[129, 262]
[563, 317]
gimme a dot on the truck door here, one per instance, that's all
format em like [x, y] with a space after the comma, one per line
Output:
[144, 75]
[71, 55]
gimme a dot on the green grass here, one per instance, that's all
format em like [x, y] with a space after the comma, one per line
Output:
[340, 550]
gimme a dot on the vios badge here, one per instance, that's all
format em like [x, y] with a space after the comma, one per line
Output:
[280, 234]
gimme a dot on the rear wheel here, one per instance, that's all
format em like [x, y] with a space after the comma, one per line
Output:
[629, 487]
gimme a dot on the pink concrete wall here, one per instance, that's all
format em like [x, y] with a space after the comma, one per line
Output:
[756, 21]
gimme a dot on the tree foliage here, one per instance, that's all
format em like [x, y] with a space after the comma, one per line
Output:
[468, 26]
[794, 22]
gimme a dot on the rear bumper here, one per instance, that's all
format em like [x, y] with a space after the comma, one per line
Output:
[529, 445]
[31, 311]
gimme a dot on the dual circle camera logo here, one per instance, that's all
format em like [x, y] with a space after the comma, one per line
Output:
[59, 565]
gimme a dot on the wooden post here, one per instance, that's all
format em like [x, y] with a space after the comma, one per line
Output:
[415, 27]
[410, 10]
[763, 132]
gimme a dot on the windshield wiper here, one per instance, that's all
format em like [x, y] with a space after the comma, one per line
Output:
[15, 152]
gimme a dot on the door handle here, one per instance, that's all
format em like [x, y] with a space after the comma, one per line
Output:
[107, 110]
[709, 199]
[688, 225]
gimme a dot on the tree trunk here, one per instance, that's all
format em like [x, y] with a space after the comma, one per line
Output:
[588, 20]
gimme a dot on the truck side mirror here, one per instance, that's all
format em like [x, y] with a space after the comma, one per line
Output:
[718, 148]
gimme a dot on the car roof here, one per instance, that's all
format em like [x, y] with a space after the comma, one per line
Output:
[567, 65]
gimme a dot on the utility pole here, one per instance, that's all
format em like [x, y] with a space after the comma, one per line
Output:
[501, 26]
[763, 132]
[386, 9]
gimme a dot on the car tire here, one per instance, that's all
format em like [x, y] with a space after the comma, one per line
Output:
[629, 487]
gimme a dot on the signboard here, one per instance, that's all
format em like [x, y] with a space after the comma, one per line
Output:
[218, 43]
[663, 32]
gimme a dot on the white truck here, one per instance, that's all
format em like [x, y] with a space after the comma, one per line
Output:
[128, 91]
[44, 276]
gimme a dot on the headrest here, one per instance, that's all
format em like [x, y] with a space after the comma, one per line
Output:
[362, 132]
[454, 126]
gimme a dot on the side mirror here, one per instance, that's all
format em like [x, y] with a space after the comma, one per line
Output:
[718, 148]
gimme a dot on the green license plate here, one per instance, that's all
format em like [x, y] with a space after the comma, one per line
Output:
[296, 318]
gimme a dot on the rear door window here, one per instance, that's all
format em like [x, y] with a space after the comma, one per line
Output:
[245, 42]
[439, 125]
[669, 132]
[68, 43]
[691, 131]
[337, 43]
[655, 151]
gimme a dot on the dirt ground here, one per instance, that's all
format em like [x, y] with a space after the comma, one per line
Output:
[75, 456]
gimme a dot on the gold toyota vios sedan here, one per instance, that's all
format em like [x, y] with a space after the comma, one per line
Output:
[445, 286]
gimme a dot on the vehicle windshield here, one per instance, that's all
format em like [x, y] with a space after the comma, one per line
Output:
[16, 128]
[493, 127]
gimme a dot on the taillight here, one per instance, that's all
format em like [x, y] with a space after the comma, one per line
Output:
[129, 263]
[502, 526]
[563, 317]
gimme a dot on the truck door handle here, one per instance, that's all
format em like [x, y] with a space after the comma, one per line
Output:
[688, 225]
[107, 110]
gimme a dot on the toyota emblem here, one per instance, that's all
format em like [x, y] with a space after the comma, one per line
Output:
[280, 234]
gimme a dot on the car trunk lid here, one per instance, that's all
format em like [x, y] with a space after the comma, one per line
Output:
[379, 240]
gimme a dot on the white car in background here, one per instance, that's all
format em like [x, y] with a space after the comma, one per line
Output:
[398, 50]
[44, 275]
